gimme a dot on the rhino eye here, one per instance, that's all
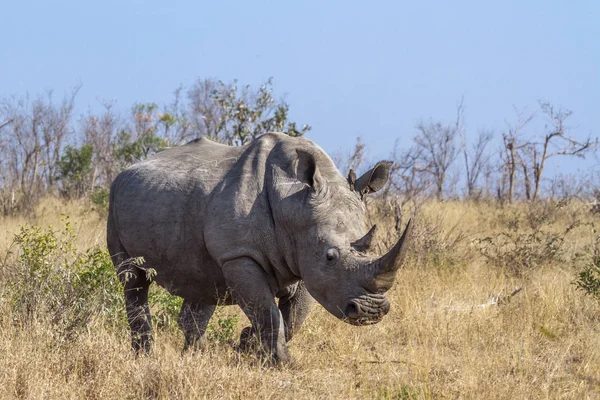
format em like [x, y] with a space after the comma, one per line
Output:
[332, 254]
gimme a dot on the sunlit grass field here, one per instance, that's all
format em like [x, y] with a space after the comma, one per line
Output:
[454, 330]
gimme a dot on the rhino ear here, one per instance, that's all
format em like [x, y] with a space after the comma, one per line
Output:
[374, 179]
[307, 170]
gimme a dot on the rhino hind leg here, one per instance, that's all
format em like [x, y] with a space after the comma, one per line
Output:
[136, 286]
[193, 320]
[295, 307]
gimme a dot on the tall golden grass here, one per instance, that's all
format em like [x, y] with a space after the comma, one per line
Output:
[443, 337]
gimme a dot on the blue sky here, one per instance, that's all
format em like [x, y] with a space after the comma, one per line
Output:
[347, 68]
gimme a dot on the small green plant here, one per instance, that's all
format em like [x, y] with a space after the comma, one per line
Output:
[404, 393]
[165, 308]
[588, 280]
[97, 278]
[222, 327]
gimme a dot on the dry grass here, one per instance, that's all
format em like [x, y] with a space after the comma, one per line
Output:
[90, 226]
[544, 343]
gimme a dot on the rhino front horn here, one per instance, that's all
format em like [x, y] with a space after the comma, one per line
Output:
[388, 265]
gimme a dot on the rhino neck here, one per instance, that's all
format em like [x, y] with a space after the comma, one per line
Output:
[242, 212]
[283, 248]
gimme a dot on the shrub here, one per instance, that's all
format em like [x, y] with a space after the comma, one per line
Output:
[435, 245]
[100, 199]
[222, 327]
[50, 279]
[588, 279]
[165, 308]
[75, 170]
[528, 241]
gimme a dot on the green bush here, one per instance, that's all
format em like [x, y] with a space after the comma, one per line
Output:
[75, 170]
[100, 199]
[50, 280]
[588, 279]
[165, 308]
[222, 328]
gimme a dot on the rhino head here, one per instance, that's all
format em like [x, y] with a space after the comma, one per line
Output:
[322, 224]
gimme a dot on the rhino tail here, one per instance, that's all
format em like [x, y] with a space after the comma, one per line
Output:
[116, 250]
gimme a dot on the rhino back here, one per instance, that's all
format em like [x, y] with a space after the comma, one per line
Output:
[159, 211]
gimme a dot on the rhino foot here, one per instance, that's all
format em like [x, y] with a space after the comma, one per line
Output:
[249, 342]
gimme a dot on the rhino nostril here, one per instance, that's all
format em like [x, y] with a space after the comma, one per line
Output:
[385, 308]
[352, 310]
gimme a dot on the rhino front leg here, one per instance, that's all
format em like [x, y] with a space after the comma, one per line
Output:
[295, 304]
[295, 307]
[193, 320]
[251, 291]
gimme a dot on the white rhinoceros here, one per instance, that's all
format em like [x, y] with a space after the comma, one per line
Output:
[246, 225]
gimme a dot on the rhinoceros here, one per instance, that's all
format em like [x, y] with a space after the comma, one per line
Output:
[247, 225]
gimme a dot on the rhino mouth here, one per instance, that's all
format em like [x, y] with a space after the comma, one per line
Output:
[366, 310]
[362, 321]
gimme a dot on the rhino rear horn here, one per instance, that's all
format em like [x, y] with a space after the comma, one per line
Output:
[374, 179]
[364, 243]
[388, 265]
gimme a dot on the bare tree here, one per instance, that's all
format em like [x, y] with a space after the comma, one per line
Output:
[489, 172]
[438, 148]
[203, 112]
[55, 128]
[100, 131]
[510, 153]
[2, 125]
[408, 174]
[568, 186]
[32, 143]
[353, 160]
[24, 139]
[555, 143]
[5, 202]
[175, 125]
[476, 159]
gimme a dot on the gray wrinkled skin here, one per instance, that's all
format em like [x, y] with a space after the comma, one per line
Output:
[246, 225]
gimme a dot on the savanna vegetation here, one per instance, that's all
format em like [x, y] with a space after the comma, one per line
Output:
[456, 328]
[499, 296]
